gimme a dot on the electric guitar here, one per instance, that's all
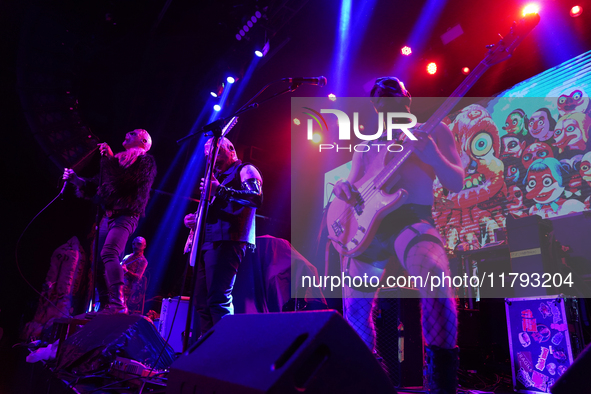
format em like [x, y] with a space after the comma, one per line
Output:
[352, 226]
[191, 239]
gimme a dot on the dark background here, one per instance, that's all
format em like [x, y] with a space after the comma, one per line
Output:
[82, 72]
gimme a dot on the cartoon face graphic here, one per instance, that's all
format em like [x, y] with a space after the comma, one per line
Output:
[572, 132]
[516, 123]
[512, 173]
[514, 198]
[511, 146]
[478, 146]
[542, 124]
[585, 167]
[575, 101]
[537, 150]
[573, 178]
[544, 181]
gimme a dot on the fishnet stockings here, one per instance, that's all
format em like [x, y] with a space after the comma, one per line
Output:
[439, 317]
[424, 255]
[357, 312]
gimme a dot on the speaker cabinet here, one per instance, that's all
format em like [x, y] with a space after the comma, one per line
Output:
[315, 352]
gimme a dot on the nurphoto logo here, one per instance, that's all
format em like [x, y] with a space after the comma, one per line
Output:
[394, 121]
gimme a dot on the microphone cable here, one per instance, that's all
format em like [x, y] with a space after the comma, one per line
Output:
[18, 243]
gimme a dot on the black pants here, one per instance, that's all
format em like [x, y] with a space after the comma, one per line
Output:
[216, 273]
[114, 232]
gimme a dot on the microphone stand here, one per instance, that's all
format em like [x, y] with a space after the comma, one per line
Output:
[201, 215]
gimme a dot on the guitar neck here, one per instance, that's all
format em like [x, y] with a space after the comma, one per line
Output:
[455, 97]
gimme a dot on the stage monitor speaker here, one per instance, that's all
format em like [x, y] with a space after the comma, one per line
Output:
[101, 340]
[576, 379]
[292, 352]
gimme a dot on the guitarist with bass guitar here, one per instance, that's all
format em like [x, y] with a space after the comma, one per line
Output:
[229, 231]
[408, 233]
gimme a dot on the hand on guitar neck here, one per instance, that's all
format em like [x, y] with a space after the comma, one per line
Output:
[214, 185]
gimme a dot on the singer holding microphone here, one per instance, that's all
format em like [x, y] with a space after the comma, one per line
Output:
[229, 231]
[122, 188]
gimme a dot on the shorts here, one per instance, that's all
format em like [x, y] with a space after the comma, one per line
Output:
[382, 246]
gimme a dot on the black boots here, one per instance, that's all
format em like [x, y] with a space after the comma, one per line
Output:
[442, 368]
[116, 302]
[111, 303]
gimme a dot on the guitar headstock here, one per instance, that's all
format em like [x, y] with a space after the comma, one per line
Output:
[505, 47]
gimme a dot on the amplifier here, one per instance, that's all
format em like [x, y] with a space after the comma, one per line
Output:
[167, 313]
[545, 336]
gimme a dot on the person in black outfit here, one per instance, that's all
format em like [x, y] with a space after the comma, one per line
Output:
[122, 189]
[229, 231]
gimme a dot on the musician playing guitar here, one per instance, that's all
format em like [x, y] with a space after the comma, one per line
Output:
[409, 234]
[229, 231]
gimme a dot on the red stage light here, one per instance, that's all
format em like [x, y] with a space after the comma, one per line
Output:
[531, 8]
[406, 50]
[432, 68]
[576, 11]
[466, 70]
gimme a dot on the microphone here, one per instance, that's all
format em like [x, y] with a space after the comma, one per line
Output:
[320, 81]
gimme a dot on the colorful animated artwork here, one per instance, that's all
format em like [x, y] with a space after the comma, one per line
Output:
[525, 152]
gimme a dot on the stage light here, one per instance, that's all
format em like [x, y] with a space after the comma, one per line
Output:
[218, 90]
[216, 107]
[316, 138]
[406, 50]
[576, 11]
[531, 9]
[257, 14]
[296, 121]
[242, 33]
[332, 97]
[238, 37]
[264, 51]
[466, 70]
[245, 28]
[230, 80]
[432, 68]
[249, 23]
[254, 19]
